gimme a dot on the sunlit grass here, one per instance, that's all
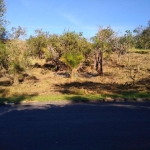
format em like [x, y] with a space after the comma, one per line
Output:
[140, 51]
[73, 98]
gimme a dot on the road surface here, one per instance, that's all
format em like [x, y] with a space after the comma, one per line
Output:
[101, 126]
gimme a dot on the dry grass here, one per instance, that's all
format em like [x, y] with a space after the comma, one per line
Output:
[117, 79]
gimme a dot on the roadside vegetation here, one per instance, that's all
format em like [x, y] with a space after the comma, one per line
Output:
[49, 67]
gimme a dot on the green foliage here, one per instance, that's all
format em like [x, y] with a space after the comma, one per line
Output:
[3, 56]
[55, 46]
[70, 46]
[72, 41]
[102, 40]
[74, 49]
[142, 37]
[18, 59]
[69, 41]
[72, 59]
[102, 44]
[127, 39]
[2, 8]
[2, 20]
[37, 43]
[14, 58]
[140, 51]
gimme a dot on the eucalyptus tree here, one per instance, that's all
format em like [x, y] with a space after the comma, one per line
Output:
[102, 42]
[17, 33]
[121, 45]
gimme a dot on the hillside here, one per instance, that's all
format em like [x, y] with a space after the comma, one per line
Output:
[128, 78]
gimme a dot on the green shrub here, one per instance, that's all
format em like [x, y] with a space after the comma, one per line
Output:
[72, 59]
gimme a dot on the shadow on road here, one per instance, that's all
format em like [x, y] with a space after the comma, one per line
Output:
[75, 126]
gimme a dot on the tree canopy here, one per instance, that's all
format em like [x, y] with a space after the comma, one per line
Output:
[3, 22]
[142, 37]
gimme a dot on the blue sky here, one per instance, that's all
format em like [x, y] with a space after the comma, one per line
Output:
[77, 15]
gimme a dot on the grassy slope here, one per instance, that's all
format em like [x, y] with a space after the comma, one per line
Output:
[115, 83]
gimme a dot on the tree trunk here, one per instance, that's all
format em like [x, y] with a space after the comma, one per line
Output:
[16, 81]
[99, 63]
[74, 71]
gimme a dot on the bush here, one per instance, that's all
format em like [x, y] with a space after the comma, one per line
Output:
[72, 59]
[3, 56]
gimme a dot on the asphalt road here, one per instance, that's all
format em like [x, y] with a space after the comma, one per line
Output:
[102, 126]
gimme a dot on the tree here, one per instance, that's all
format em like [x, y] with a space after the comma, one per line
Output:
[146, 37]
[14, 54]
[72, 60]
[3, 22]
[37, 43]
[17, 58]
[120, 45]
[142, 37]
[54, 47]
[127, 39]
[3, 51]
[74, 41]
[17, 33]
[102, 44]
[75, 48]
[4, 64]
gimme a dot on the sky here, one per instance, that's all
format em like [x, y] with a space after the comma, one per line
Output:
[85, 16]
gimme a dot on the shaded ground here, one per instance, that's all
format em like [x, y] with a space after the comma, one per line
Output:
[77, 91]
[114, 89]
[102, 126]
